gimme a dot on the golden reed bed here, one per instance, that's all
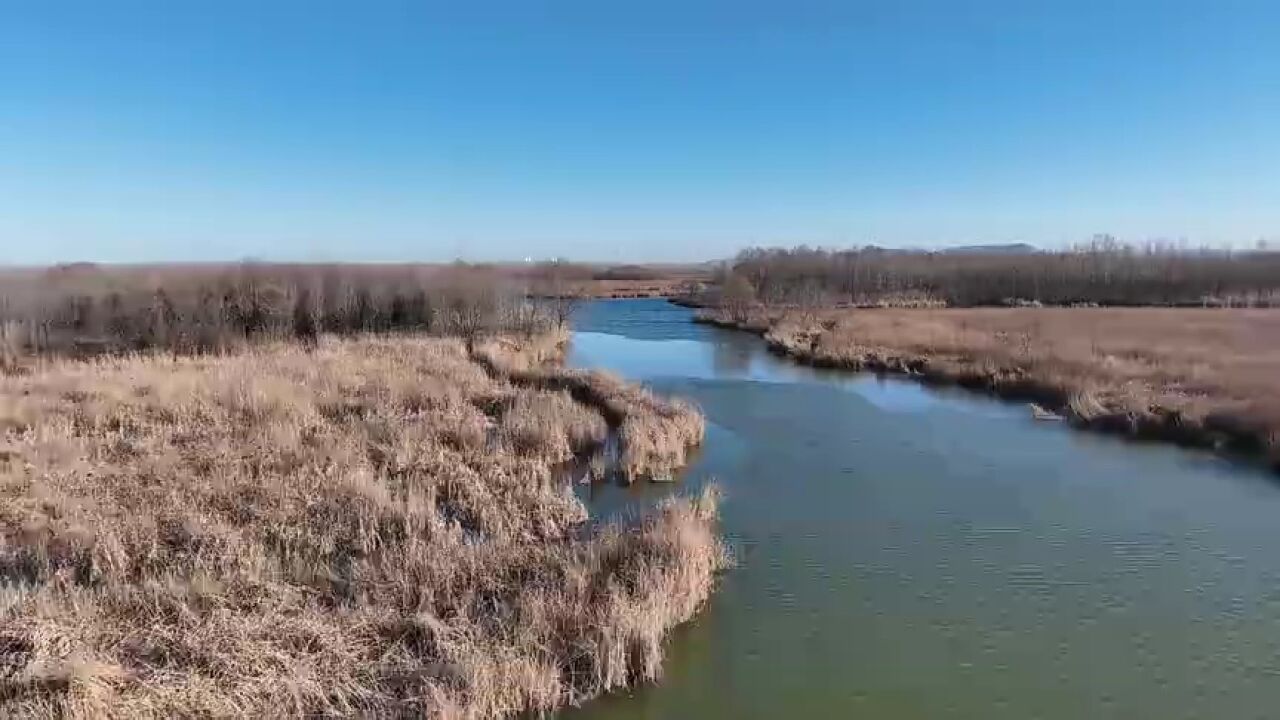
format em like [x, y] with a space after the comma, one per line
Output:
[370, 527]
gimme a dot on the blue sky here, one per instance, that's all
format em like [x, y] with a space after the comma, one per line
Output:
[150, 131]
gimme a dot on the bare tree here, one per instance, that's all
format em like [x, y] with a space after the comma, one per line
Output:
[1102, 271]
[737, 296]
[556, 283]
[91, 310]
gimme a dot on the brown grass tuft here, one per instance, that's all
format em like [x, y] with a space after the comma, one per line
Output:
[655, 434]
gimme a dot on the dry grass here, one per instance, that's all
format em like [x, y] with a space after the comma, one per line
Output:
[368, 528]
[655, 433]
[1195, 376]
[644, 288]
[550, 424]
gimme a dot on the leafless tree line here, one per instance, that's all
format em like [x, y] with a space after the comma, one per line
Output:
[1103, 272]
[86, 309]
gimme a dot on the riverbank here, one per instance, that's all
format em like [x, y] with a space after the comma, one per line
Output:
[1202, 378]
[366, 527]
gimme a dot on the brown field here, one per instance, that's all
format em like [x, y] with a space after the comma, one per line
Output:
[1202, 377]
[656, 288]
[619, 281]
[371, 526]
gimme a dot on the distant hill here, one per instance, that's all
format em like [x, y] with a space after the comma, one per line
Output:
[1006, 249]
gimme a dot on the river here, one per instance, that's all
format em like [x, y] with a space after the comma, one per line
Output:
[905, 552]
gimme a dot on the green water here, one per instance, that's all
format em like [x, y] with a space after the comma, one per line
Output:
[906, 553]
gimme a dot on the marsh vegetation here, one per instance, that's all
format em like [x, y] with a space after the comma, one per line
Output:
[365, 523]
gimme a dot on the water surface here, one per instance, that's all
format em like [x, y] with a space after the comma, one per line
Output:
[911, 553]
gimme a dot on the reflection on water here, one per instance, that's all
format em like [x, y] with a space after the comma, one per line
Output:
[906, 553]
[741, 357]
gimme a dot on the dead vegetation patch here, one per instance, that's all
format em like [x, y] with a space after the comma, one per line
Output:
[655, 433]
[366, 527]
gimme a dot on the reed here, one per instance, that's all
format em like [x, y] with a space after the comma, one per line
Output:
[655, 433]
[369, 526]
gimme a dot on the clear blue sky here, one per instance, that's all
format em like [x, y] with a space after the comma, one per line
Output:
[152, 131]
